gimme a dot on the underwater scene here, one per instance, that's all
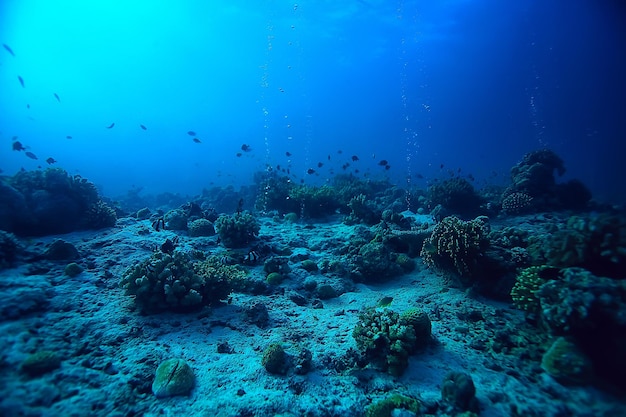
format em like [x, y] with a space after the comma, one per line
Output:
[313, 208]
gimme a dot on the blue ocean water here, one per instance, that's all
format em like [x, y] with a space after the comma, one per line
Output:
[430, 87]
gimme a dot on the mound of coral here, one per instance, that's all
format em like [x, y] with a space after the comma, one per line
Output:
[37, 203]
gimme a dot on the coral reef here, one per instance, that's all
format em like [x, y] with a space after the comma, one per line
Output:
[174, 282]
[237, 230]
[374, 262]
[201, 227]
[533, 185]
[566, 363]
[596, 242]
[275, 360]
[456, 245]
[10, 248]
[388, 406]
[527, 283]
[362, 211]
[591, 312]
[37, 203]
[173, 377]
[386, 338]
[456, 195]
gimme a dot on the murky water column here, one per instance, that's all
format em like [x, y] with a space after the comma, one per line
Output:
[407, 65]
[533, 92]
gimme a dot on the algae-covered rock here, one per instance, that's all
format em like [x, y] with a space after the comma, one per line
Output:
[566, 363]
[459, 391]
[173, 377]
[389, 407]
[275, 360]
[73, 269]
[41, 362]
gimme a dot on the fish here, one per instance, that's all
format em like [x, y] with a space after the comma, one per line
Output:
[17, 146]
[68, 137]
[8, 48]
[355, 158]
[319, 164]
[329, 157]
[246, 148]
[239, 154]
[31, 155]
[57, 97]
[191, 133]
[287, 154]
[143, 127]
[310, 171]
[441, 166]
[197, 140]
[383, 162]
[387, 167]
[419, 176]
[28, 106]
[50, 161]
[21, 80]
[111, 127]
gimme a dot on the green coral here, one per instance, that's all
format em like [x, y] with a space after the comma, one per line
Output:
[580, 301]
[596, 242]
[374, 262]
[386, 407]
[237, 230]
[363, 210]
[173, 377]
[73, 269]
[421, 324]
[456, 245]
[566, 363]
[275, 360]
[175, 282]
[201, 227]
[274, 278]
[524, 292]
[387, 339]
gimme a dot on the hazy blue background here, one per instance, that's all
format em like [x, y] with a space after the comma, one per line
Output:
[468, 84]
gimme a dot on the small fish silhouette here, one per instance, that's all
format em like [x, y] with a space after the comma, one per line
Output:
[21, 80]
[143, 127]
[191, 133]
[17, 146]
[68, 137]
[31, 155]
[246, 148]
[5, 46]
[197, 140]
[111, 127]
[50, 161]
[57, 97]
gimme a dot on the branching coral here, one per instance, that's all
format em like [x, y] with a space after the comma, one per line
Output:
[237, 230]
[456, 244]
[387, 339]
[174, 282]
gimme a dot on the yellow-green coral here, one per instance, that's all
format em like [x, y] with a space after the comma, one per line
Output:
[456, 244]
[524, 292]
